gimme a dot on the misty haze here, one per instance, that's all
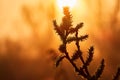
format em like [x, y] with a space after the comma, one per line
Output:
[29, 44]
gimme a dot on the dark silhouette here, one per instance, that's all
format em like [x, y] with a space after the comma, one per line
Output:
[69, 34]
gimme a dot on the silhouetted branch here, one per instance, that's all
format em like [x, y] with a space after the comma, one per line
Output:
[64, 31]
[71, 39]
[99, 71]
[59, 59]
[90, 56]
[75, 56]
[73, 30]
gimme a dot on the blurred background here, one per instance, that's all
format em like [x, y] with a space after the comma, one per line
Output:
[29, 44]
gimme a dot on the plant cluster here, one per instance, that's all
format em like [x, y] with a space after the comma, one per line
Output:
[70, 34]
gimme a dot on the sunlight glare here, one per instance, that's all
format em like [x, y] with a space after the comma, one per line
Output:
[63, 3]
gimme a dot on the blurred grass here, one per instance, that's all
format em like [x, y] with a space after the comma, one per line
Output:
[30, 59]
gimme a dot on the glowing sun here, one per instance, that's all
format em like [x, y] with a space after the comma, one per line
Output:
[69, 3]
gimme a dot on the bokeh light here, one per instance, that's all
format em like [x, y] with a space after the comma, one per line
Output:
[63, 3]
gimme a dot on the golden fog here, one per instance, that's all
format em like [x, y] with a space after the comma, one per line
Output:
[29, 45]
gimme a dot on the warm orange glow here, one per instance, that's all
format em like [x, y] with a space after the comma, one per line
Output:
[63, 3]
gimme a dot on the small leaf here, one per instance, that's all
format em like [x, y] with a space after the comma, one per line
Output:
[90, 57]
[58, 30]
[56, 27]
[73, 30]
[83, 38]
[55, 23]
[75, 56]
[71, 39]
[100, 70]
[60, 58]
[80, 25]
